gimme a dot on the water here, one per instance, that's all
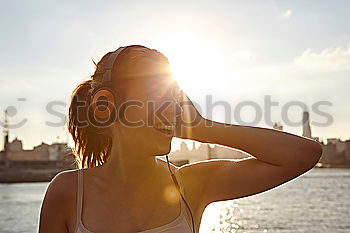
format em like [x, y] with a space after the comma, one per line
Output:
[318, 201]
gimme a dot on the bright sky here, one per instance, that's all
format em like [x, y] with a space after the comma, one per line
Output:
[234, 51]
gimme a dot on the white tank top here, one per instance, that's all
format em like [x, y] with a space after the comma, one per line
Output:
[181, 224]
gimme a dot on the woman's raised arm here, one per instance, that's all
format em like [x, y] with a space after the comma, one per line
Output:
[277, 158]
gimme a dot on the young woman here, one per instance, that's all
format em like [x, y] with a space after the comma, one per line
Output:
[123, 187]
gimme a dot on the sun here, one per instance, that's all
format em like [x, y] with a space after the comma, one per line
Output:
[194, 63]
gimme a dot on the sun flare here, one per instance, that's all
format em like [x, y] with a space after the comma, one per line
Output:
[195, 64]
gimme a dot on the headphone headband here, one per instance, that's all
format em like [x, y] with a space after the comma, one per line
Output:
[107, 74]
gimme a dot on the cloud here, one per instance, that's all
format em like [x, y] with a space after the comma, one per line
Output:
[310, 76]
[286, 14]
[330, 59]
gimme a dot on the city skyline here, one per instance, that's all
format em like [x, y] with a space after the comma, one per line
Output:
[336, 153]
[305, 127]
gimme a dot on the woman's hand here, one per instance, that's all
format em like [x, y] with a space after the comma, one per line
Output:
[190, 123]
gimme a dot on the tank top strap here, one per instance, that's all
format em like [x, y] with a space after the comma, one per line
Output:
[79, 197]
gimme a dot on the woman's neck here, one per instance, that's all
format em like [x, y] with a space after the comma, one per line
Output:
[129, 165]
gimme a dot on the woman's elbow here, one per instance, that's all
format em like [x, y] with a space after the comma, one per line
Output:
[317, 150]
[311, 154]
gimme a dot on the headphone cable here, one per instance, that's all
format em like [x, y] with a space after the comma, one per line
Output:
[178, 188]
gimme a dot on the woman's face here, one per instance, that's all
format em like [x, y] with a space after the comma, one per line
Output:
[150, 110]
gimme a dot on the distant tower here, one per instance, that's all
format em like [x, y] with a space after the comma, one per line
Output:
[6, 131]
[6, 138]
[183, 146]
[306, 125]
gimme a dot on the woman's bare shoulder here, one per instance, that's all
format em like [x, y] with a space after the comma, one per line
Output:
[63, 189]
[59, 199]
[64, 185]
[65, 177]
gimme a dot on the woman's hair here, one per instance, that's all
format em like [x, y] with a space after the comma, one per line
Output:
[92, 148]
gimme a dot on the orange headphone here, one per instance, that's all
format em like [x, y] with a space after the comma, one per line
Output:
[103, 97]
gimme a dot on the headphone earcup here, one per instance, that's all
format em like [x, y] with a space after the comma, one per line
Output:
[102, 109]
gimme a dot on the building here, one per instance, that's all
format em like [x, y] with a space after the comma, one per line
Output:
[336, 153]
[41, 163]
[205, 151]
[13, 151]
[306, 125]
